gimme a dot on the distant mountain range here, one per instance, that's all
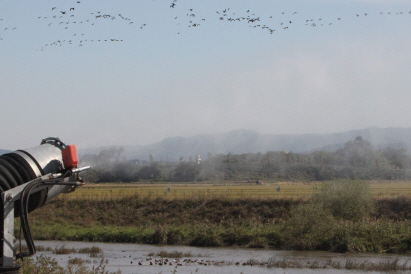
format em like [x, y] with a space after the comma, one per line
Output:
[3, 151]
[247, 141]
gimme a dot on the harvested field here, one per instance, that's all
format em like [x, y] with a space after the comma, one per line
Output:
[228, 190]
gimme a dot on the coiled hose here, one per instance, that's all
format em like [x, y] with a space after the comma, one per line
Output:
[14, 171]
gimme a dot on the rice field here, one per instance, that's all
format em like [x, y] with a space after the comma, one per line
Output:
[229, 190]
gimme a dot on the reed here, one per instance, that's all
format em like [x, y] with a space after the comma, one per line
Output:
[45, 265]
[78, 261]
[63, 250]
[93, 251]
[174, 254]
[389, 265]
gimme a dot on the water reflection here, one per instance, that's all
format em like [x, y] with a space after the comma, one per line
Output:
[126, 258]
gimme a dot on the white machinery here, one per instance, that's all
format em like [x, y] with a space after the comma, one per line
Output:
[29, 179]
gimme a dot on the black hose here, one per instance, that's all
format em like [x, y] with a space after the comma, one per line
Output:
[25, 227]
[14, 171]
[17, 168]
[11, 183]
[23, 163]
[24, 207]
[3, 184]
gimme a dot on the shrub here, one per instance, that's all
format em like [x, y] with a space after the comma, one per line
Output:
[206, 237]
[175, 236]
[349, 200]
[159, 236]
[308, 228]
[42, 265]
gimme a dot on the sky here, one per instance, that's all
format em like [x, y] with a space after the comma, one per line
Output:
[284, 67]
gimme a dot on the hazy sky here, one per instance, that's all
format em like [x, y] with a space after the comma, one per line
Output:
[167, 79]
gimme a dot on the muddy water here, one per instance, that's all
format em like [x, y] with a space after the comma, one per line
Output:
[126, 258]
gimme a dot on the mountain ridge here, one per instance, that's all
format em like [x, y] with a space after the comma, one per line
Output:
[248, 141]
[4, 151]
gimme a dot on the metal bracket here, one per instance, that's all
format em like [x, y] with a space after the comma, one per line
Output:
[9, 197]
[55, 185]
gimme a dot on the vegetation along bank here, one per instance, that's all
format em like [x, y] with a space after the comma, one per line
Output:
[341, 216]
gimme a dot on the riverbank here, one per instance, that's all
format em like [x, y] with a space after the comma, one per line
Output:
[287, 224]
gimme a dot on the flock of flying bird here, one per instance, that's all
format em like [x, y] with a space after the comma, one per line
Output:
[67, 19]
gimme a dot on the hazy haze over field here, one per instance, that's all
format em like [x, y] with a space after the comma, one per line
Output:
[167, 79]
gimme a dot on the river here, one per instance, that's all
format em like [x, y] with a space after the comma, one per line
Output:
[126, 258]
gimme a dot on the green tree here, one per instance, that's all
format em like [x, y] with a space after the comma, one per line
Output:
[186, 172]
[397, 158]
[122, 172]
[151, 172]
[358, 153]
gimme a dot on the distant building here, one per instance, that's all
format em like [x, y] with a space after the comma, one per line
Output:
[139, 162]
[198, 159]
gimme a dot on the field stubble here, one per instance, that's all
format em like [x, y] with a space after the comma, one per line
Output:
[227, 190]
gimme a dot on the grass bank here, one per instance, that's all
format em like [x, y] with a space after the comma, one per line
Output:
[319, 223]
[339, 236]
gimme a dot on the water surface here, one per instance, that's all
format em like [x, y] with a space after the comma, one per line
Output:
[126, 258]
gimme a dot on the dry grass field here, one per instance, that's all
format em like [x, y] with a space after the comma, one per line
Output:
[229, 190]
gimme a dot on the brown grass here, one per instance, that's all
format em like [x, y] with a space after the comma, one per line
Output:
[222, 190]
[63, 250]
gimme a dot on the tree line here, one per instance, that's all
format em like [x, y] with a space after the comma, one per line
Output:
[358, 159]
